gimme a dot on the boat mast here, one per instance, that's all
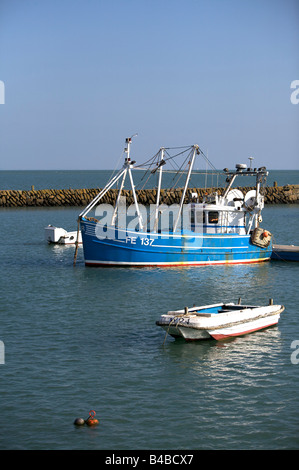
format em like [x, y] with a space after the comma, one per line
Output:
[118, 197]
[129, 165]
[135, 200]
[195, 151]
[123, 172]
[159, 189]
[101, 193]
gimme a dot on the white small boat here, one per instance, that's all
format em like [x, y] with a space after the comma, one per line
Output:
[60, 236]
[219, 321]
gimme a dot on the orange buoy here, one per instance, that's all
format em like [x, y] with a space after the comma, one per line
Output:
[265, 234]
[91, 420]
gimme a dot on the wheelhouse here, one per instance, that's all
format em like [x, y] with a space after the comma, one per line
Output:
[208, 218]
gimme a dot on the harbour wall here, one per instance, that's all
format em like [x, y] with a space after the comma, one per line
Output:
[81, 197]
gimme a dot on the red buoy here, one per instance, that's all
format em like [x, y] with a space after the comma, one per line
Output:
[91, 420]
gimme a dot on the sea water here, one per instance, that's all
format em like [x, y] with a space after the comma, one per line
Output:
[75, 339]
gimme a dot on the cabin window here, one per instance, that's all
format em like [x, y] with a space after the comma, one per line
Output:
[213, 217]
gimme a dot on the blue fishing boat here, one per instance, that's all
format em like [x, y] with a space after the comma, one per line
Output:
[221, 229]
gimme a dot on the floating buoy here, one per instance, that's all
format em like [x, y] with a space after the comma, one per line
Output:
[79, 422]
[265, 234]
[91, 420]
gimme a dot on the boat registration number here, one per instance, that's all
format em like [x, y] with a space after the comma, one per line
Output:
[143, 240]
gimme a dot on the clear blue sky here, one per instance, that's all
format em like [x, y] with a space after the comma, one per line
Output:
[82, 75]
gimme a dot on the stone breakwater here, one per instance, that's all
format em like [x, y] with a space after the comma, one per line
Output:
[81, 197]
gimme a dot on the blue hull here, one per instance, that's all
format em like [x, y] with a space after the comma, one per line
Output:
[152, 249]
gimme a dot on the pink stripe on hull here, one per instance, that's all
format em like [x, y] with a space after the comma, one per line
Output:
[157, 265]
[219, 337]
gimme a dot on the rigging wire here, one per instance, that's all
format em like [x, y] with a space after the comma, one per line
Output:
[152, 164]
[151, 160]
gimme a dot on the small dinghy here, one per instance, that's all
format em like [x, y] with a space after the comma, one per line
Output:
[219, 321]
[60, 236]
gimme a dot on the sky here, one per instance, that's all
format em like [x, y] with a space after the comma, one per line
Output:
[79, 76]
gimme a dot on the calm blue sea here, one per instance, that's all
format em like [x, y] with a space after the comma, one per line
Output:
[78, 338]
[63, 179]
